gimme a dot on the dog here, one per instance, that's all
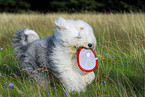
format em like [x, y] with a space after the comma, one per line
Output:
[57, 53]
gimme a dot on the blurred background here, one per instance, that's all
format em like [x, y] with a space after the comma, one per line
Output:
[45, 6]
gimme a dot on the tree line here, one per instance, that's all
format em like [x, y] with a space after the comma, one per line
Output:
[72, 5]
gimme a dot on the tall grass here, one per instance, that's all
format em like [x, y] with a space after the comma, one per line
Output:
[120, 50]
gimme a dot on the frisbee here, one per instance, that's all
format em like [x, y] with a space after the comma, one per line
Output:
[87, 60]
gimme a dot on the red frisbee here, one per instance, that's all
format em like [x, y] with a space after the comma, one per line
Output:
[87, 60]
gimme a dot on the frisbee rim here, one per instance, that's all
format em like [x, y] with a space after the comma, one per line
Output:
[79, 61]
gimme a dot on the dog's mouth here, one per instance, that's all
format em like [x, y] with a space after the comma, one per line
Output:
[88, 46]
[78, 48]
[81, 47]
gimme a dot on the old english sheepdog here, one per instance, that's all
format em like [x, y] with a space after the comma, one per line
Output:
[58, 53]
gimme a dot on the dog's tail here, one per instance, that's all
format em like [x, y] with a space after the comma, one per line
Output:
[22, 38]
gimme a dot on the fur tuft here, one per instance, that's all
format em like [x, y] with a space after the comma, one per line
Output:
[31, 35]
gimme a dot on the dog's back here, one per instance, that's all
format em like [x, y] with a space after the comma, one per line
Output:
[27, 43]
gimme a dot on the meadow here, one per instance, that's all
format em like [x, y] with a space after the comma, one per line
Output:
[120, 50]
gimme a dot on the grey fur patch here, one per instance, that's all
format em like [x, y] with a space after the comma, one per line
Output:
[35, 56]
[20, 44]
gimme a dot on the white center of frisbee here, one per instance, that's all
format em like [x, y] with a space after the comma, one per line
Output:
[88, 54]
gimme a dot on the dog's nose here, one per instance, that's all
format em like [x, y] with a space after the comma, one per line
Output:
[90, 45]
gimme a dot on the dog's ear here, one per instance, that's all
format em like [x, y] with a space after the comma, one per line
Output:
[60, 23]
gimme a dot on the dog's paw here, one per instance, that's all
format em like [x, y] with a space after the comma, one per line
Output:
[89, 77]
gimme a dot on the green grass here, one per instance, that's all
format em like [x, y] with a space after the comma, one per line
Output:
[120, 50]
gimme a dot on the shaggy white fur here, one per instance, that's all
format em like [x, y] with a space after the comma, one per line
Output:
[70, 33]
[58, 53]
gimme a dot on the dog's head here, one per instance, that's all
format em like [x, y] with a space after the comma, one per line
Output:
[74, 33]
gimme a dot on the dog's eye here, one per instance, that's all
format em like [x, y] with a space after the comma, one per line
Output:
[81, 28]
[78, 37]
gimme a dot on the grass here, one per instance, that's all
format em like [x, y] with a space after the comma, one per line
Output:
[120, 50]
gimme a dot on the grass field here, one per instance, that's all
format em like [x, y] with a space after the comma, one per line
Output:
[120, 50]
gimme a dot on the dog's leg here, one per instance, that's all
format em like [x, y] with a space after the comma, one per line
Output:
[40, 77]
[72, 81]
[89, 77]
[33, 71]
